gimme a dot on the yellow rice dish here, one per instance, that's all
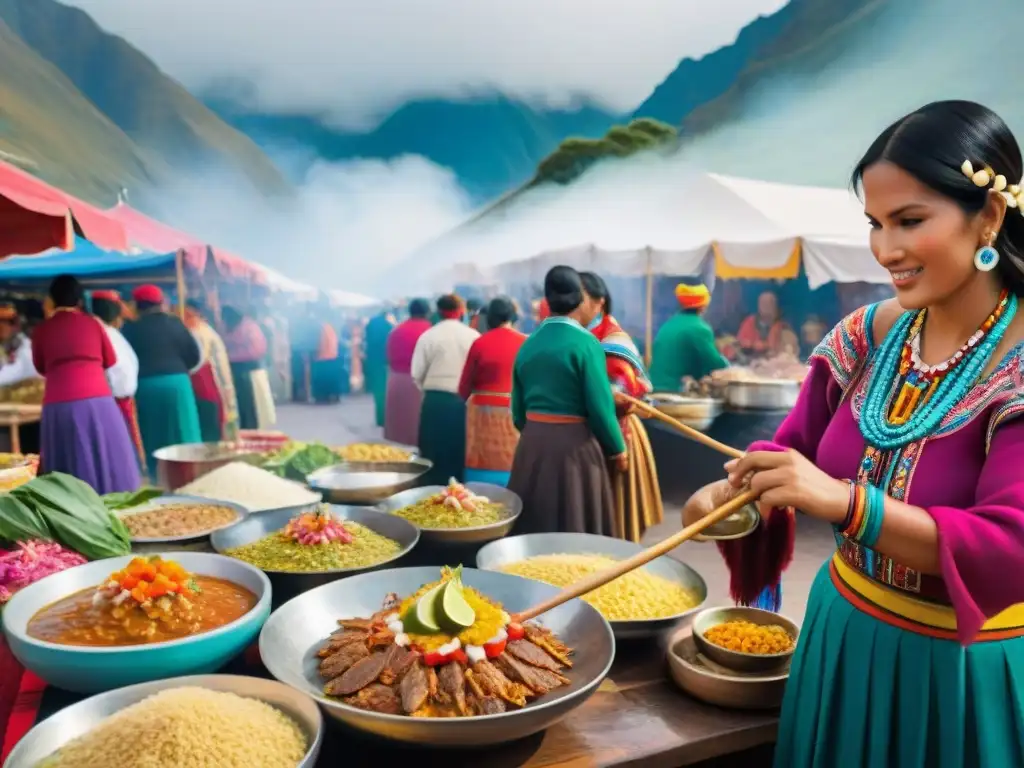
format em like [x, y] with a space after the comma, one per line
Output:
[637, 596]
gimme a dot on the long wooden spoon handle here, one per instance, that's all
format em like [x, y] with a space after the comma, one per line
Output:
[693, 434]
[599, 579]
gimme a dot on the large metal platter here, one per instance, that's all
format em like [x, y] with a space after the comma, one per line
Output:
[476, 535]
[174, 499]
[366, 482]
[516, 548]
[265, 523]
[78, 719]
[293, 634]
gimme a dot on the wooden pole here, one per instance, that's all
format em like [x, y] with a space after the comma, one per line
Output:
[179, 270]
[649, 314]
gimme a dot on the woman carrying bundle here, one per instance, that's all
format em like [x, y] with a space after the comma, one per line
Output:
[563, 408]
[907, 438]
[637, 493]
[83, 432]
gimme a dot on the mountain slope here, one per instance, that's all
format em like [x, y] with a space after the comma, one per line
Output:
[37, 106]
[807, 109]
[491, 143]
[126, 86]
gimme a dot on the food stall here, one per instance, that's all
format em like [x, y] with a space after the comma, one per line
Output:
[610, 684]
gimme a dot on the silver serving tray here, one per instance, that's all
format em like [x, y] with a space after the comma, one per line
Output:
[475, 535]
[511, 550]
[173, 499]
[366, 482]
[78, 719]
[293, 634]
[262, 524]
[762, 395]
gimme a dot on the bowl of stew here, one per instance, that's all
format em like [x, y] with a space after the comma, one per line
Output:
[114, 622]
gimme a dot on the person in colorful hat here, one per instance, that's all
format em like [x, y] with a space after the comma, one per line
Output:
[685, 345]
[168, 353]
[83, 432]
[907, 440]
[123, 376]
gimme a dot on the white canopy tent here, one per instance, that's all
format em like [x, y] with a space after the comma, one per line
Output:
[351, 300]
[284, 284]
[632, 221]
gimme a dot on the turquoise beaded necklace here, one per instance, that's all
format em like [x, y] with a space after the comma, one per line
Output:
[874, 416]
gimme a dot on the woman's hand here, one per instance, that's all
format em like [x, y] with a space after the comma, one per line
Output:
[621, 462]
[707, 500]
[788, 479]
[623, 407]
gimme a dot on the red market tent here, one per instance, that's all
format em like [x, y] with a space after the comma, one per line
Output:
[153, 235]
[35, 217]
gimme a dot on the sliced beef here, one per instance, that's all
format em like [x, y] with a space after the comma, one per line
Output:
[361, 625]
[340, 661]
[399, 661]
[494, 683]
[490, 705]
[341, 639]
[376, 698]
[545, 639]
[360, 675]
[451, 686]
[540, 681]
[532, 654]
[414, 688]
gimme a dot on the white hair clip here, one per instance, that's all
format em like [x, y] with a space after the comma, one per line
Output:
[1012, 193]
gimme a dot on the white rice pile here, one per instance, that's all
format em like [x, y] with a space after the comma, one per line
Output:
[188, 728]
[255, 489]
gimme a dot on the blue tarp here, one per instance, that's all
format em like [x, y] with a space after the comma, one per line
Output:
[88, 263]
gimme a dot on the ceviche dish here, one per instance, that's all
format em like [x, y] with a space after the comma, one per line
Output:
[150, 601]
[445, 651]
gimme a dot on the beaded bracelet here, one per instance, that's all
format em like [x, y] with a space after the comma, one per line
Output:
[872, 526]
[857, 513]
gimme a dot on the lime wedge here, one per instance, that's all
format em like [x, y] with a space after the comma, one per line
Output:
[421, 618]
[452, 610]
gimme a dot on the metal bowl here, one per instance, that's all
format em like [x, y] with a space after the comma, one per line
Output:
[710, 682]
[762, 394]
[511, 550]
[78, 719]
[265, 523]
[697, 412]
[476, 535]
[290, 639]
[366, 482]
[88, 669]
[737, 525]
[173, 500]
[736, 660]
[179, 465]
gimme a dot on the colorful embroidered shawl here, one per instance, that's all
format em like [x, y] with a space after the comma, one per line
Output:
[625, 368]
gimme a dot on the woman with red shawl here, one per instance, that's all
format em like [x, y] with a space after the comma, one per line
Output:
[638, 503]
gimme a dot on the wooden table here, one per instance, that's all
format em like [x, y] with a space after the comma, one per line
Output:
[14, 415]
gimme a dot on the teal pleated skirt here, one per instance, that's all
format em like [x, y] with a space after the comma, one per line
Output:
[168, 414]
[865, 694]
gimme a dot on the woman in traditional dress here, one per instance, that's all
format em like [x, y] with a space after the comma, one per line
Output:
[402, 408]
[247, 348]
[375, 362]
[637, 493]
[212, 381]
[486, 386]
[437, 365]
[326, 369]
[123, 375]
[685, 346]
[167, 353]
[83, 432]
[563, 408]
[907, 437]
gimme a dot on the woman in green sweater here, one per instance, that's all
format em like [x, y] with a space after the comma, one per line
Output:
[563, 407]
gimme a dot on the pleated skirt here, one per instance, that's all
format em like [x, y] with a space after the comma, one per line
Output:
[168, 414]
[866, 694]
[402, 409]
[638, 503]
[442, 436]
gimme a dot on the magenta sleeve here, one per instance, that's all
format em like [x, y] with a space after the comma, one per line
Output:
[981, 548]
[818, 400]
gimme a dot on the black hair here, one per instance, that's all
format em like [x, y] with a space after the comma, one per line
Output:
[474, 305]
[563, 290]
[106, 310]
[501, 310]
[596, 287]
[932, 143]
[66, 291]
[449, 303]
[419, 309]
[145, 306]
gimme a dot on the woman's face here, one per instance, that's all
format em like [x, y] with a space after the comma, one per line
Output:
[925, 240]
[589, 309]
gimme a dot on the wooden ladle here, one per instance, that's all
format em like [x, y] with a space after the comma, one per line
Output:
[599, 579]
[686, 429]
